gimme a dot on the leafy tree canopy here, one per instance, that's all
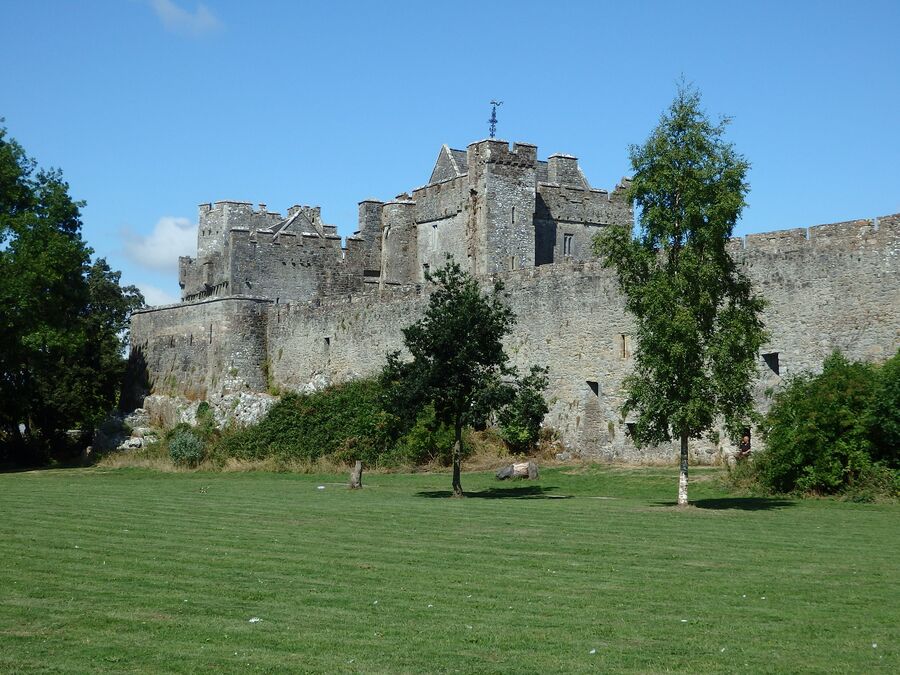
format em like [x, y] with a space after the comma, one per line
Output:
[457, 356]
[697, 320]
[65, 317]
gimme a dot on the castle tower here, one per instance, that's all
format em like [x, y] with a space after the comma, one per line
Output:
[502, 182]
[399, 261]
[214, 222]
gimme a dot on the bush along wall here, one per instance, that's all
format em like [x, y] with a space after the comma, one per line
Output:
[345, 420]
[836, 432]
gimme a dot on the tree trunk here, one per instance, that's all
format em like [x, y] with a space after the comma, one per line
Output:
[683, 476]
[356, 476]
[457, 461]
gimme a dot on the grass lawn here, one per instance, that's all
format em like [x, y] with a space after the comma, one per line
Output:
[590, 569]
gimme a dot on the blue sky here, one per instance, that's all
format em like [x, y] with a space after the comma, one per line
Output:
[151, 107]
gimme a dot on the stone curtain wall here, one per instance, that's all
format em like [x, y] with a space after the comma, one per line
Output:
[829, 287]
[837, 289]
[287, 265]
[204, 349]
[340, 339]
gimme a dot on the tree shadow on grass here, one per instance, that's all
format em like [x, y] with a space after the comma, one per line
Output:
[522, 492]
[737, 503]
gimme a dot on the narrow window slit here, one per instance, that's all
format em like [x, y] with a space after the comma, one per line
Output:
[771, 360]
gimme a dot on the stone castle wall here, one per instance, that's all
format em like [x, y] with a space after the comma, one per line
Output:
[828, 287]
[273, 302]
[204, 349]
[288, 265]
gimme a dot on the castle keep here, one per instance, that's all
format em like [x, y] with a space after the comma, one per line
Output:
[491, 207]
[276, 302]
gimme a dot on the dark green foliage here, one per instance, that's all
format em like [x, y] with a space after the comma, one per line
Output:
[185, 447]
[697, 320]
[520, 420]
[457, 346]
[206, 422]
[457, 352]
[824, 433]
[64, 318]
[427, 440]
[885, 414]
[344, 420]
[343, 423]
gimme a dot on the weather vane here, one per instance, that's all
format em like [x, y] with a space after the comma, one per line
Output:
[493, 120]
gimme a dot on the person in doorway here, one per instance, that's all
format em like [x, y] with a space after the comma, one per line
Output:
[744, 447]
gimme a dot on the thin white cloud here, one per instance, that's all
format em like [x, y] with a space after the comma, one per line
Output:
[179, 20]
[156, 296]
[171, 237]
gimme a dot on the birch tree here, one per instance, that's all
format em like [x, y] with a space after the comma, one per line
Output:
[697, 318]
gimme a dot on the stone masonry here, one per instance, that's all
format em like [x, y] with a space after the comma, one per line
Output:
[275, 302]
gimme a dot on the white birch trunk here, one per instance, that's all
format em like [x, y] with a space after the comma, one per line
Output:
[683, 475]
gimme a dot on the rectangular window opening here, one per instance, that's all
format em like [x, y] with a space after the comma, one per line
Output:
[623, 345]
[771, 360]
[595, 387]
[630, 429]
[327, 342]
[567, 244]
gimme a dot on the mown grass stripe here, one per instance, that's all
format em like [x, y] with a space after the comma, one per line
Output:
[524, 585]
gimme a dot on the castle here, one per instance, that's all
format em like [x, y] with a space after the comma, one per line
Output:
[276, 302]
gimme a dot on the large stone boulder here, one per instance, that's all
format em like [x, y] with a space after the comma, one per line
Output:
[527, 470]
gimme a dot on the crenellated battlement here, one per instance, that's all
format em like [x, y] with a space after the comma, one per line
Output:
[848, 236]
[492, 151]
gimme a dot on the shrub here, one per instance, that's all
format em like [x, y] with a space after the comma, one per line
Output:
[520, 420]
[344, 420]
[884, 417]
[185, 447]
[429, 440]
[819, 431]
[206, 422]
[874, 483]
[743, 477]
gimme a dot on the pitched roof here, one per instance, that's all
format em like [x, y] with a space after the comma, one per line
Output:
[450, 164]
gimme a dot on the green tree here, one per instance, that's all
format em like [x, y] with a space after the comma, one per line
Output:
[64, 319]
[457, 350]
[697, 320]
